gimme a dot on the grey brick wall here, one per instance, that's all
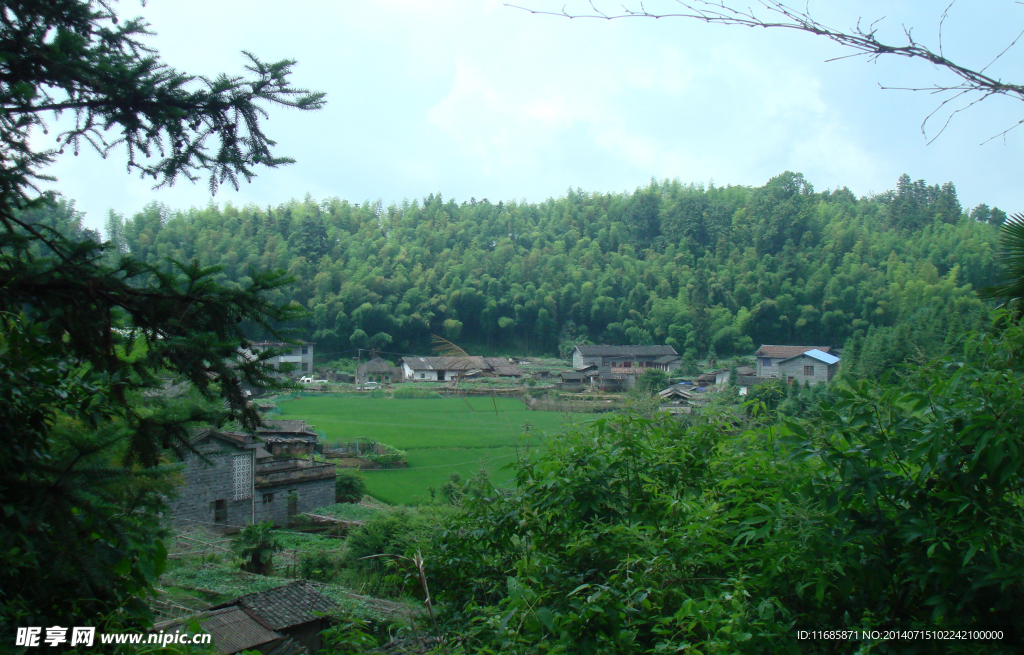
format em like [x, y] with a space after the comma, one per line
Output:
[794, 369]
[312, 494]
[206, 483]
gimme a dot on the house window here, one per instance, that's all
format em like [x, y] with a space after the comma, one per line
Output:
[423, 375]
[305, 366]
[808, 370]
[766, 362]
[242, 469]
[220, 511]
[305, 350]
[268, 498]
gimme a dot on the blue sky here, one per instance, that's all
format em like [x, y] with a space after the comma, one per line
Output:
[471, 98]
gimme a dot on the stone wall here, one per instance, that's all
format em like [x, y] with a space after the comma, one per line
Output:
[272, 501]
[794, 369]
[204, 485]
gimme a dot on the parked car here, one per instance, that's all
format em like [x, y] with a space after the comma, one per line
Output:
[371, 385]
[306, 379]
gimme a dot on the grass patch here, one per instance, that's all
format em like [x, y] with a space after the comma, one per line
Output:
[347, 511]
[440, 436]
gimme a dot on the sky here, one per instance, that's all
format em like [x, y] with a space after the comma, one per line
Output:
[476, 99]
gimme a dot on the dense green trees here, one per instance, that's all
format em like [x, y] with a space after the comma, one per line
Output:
[83, 330]
[696, 267]
[897, 506]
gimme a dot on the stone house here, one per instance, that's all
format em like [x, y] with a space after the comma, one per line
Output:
[768, 357]
[812, 366]
[234, 482]
[664, 358]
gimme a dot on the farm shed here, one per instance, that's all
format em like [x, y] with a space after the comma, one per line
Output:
[235, 630]
[290, 610]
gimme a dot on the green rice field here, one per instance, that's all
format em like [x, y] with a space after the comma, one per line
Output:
[441, 436]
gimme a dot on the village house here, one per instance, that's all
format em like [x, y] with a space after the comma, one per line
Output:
[441, 369]
[768, 357]
[663, 358]
[298, 357]
[241, 483]
[812, 366]
[377, 370]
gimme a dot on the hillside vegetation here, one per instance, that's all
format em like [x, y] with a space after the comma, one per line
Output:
[706, 269]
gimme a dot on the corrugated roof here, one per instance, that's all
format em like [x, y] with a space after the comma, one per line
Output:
[814, 353]
[290, 605]
[787, 351]
[626, 351]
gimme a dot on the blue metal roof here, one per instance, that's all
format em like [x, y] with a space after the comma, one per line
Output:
[822, 357]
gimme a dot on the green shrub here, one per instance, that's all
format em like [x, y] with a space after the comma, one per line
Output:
[320, 565]
[406, 392]
[349, 486]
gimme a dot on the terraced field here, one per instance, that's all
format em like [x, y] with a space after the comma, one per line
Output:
[441, 436]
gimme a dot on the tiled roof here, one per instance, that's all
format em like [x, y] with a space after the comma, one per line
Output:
[287, 606]
[626, 351]
[745, 370]
[787, 351]
[751, 380]
[233, 629]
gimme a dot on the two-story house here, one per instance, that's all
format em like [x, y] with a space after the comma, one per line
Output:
[299, 357]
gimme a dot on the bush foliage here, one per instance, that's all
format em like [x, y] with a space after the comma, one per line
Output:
[898, 507]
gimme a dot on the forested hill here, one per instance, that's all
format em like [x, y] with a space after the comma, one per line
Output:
[717, 269]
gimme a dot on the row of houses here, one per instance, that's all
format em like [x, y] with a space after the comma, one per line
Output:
[602, 366]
